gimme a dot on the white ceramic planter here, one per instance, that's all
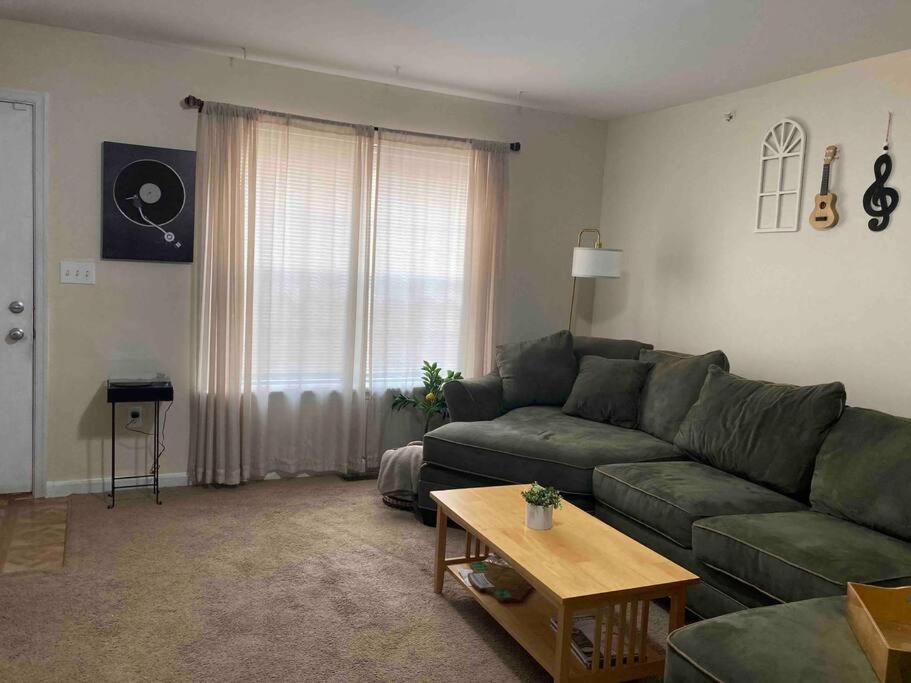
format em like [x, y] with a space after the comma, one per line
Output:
[538, 517]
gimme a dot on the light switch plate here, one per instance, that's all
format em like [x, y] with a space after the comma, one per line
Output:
[77, 272]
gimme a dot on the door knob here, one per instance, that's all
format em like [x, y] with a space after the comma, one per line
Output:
[16, 334]
[16, 306]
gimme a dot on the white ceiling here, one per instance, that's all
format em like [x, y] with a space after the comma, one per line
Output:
[603, 58]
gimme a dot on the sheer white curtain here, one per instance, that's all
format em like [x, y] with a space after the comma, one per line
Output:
[313, 186]
[485, 245]
[220, 395]
[334, 260]
[280, 352]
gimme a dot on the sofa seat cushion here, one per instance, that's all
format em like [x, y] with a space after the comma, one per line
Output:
[799, 555]
[767, 433]
[434, 478]
[809, 641]
[863, 469]
[669, 496]
[540, 443]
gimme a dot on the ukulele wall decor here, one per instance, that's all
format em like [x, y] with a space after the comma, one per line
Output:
[880, 201]
[824, 215]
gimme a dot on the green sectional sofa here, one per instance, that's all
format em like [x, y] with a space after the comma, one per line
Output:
[772, 494]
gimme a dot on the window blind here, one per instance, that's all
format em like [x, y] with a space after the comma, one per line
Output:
[309, 257]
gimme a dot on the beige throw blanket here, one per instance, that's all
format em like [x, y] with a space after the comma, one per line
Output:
[399, 468]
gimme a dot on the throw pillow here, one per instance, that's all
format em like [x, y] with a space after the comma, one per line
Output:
[607, 348]
[537, 372]
[764, 432]
[672, 388]
[863, 469]
[608, 390]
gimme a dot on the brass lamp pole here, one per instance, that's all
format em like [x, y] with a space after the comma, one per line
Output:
[592, 262]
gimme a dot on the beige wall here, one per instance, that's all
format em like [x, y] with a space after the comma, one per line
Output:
[679, 198]
[104, 88]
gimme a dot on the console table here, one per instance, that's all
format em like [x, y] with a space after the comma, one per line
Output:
[137, 391]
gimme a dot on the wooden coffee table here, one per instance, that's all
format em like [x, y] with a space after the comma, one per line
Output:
[580, 567]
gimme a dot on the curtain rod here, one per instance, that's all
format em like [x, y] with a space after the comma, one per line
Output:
[193, 102]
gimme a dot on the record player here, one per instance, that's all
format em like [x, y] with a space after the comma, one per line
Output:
[127, 390]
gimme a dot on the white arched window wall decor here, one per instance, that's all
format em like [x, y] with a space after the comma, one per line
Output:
[781, 161]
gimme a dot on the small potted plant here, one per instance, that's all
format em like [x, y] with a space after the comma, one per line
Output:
[540, 502]
[430, 401]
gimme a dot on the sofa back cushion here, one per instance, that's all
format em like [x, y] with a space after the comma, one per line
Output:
[863, 472]
[608, 390]
[608, 348]
[764, 432]
[672, 388]
[538, 371]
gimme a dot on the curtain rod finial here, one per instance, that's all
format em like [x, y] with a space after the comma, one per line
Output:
[191, 102]
[515, 146]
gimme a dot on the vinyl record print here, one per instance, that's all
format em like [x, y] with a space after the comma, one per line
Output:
[148, 203]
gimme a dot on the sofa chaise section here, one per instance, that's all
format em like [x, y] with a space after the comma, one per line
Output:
[491, 441]
[539, 443]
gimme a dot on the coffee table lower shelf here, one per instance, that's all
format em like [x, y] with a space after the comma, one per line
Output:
[579, 568]
[529, 623]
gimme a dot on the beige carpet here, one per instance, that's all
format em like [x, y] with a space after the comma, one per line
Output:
[298, 580]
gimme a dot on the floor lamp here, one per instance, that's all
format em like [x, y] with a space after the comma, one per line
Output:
[592, 262]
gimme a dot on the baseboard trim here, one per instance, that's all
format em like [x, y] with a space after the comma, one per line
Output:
[65, 487]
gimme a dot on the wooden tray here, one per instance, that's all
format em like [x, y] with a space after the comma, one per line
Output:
[881, 620]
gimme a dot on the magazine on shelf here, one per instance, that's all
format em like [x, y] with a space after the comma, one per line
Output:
[494, 577]
[583, 635]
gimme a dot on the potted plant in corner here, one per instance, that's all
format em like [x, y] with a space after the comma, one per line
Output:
[540, 502]
[431, 401]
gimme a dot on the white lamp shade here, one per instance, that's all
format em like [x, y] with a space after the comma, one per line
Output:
[590, 262]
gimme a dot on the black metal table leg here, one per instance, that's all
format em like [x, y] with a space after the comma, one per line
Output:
[113, 450]
[157, 454]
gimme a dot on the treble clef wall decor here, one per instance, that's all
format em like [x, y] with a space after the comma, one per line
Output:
[880, 201]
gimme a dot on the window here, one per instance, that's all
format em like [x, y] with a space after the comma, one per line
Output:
[334, 259]
[419, 258]
[302, 258]
[322, 281]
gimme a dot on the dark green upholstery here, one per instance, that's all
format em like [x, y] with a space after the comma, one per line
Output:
[727, 518]
[434, 478]
[798, 555]
[608, 390]
[767, 433]
[481, 398]
[672, 389]
[669, 496]
[537, 372]
[608, 348]
[714, 595]
[540, 443]
[863, 472]
[802, 642]
[471, 400]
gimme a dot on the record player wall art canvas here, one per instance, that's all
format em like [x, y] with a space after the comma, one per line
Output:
[148, 203]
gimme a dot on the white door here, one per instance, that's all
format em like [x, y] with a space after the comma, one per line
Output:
[17, 215]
